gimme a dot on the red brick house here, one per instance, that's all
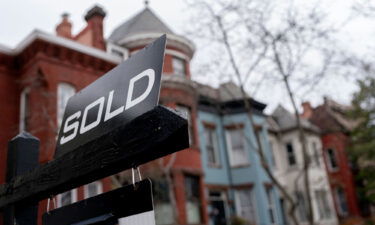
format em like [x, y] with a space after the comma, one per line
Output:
[330, 118]
[44, 70]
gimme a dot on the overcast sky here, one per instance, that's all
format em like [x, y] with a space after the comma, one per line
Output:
[19, 17]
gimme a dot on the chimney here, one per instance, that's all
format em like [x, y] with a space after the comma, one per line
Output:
[94, 18]
[64, 29]
[307, 110]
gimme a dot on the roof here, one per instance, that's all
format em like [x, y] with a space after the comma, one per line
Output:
[331, 116]
[225, 92]
[144, 22]
[272, 125]
[230, 91]
[40, 35]
[228, 97]
[286, 120]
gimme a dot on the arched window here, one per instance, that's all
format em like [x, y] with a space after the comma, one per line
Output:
[64, 92]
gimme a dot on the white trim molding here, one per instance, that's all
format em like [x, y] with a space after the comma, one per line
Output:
[172, 40]
[74, 45]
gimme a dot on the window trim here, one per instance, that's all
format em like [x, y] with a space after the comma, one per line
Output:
[58, 91]
[315, 154]
[228, 129]
[271, 205]
[287, 154]
[272, 146]
[184, 67]
[252, 199]
[199, 199]
[321, 195]
[332, 169]
[215, 145]
[111, 46]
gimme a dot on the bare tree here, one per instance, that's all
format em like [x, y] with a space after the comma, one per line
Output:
[283, 41]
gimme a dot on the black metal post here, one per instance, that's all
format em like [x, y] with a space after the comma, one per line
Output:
[23, 154]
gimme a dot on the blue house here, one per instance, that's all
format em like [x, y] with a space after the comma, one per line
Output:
[238, 188]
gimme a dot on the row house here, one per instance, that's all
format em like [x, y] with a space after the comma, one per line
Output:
[288, 164]
[335, 125]
[237, 187]
[37, 78]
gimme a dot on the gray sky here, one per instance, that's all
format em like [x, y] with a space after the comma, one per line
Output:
[19, 17]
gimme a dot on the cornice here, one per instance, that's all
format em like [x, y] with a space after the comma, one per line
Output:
[142, 39]
[60, 41]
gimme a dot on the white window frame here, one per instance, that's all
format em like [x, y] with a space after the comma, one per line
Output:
[73, 199]
[183, 63]
[113, 47]
[25, 91]
[273, 153]
[253, 206]
[321, 196]
[194, 203]
[301, 209]
[215, 145]
[315, 154]
[99, 186]
[61, 88]
[271, 204]
[245, 158]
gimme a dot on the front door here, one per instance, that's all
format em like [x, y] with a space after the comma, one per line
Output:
[217, 208]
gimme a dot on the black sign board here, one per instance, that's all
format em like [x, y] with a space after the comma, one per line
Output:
[124, 93]
[107, 208]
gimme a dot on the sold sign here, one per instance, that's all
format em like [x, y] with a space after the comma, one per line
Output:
[124, 93]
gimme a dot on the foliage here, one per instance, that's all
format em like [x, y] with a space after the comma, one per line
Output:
[363, 137]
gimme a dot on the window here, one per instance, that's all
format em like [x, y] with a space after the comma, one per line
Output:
[163, 208]
[93, 189]
[273, 153]
[193, 210]
[212, 146]
[315, 154]
[236, 147]
[186, 111]
[25, 110]
[302, 207]
[332, 160]
[290, 154]
[323, 206]
[179, 66]
[341, 201]
[245, 205]
[117, 50]
[271, 205]
[64, 92]
[67, 198]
